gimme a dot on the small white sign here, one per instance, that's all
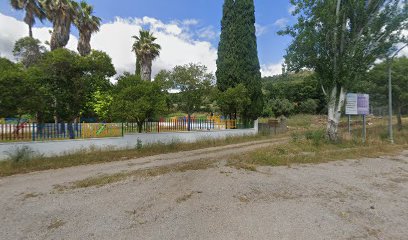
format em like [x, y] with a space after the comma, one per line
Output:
[351, 104]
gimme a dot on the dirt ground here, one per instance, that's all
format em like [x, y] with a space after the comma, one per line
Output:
[352, 199]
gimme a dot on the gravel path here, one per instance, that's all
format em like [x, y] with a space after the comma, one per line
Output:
[354, 199]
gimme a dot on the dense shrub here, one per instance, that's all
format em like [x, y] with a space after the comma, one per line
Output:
[309, 106]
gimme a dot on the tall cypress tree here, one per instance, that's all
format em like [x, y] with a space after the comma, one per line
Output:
[226, 48]
[238, 55]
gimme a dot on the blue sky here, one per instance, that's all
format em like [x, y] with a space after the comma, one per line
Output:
[271, 15]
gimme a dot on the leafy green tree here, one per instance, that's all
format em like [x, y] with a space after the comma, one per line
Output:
[309, 106]
[14, 89]
[297, 88]
[281, 107]
[237, 54]
[146, 51]
[6, 65]
[41, 104]
[379, 77]
[162, 78]
[68, 82]
[234, 101]
[340, 40]
[32, 10]
[62, 72]
[100, 70]
[136, 100]
[19, 95]
[102, 105]
[28, 51]
[194, 83]
[61, 13]
[87, 24]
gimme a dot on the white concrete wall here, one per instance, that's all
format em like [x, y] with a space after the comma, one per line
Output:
[53, 148]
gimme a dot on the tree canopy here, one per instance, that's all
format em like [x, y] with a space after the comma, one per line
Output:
[234, 101]
[238, 61]
[378, 82]
[135, 100]
[340, 40]
[14, 89]
[70, 81]
[28, 51]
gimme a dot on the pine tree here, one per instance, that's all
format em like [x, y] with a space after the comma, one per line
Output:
[237, 53]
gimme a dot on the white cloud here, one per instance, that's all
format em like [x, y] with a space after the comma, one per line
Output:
[291, 9]
[404, 52]
[281, 22]
[272, 69]
[261, 30]
[178, 47]
[207, 33]
[190, 22]
[12, 30]
[115, 38]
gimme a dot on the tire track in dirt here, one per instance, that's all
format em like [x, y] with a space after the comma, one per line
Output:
[43, 182]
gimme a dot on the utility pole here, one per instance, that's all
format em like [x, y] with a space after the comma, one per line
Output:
[390, 130]
[389, 63]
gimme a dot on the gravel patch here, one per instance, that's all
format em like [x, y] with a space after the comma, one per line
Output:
[353, 199]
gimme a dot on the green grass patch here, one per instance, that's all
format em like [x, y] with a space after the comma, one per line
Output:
[310, 150]
[305, 121]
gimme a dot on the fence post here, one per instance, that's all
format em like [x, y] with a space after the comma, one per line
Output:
[33, 132]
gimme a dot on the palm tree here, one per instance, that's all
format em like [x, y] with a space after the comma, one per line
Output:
[87, 24]
[146, 51]
[61, 13]
[33, 10]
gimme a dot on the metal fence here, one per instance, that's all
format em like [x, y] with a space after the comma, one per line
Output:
[180, 125]
[61, 131]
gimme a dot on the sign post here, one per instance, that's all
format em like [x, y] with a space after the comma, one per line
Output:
[358, 104]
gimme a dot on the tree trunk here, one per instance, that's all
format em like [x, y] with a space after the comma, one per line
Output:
[189, 122]
[146, 69]
[55, 111]
[84, 46]
[140, 127]
[60, 32]
[30, 31]
[399, 118]
[29, 20]
[335, 105]
[137, 72]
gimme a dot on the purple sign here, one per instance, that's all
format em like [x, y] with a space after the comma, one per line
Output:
[363, 104]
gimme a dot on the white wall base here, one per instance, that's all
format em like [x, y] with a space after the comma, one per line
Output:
[56, 148]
